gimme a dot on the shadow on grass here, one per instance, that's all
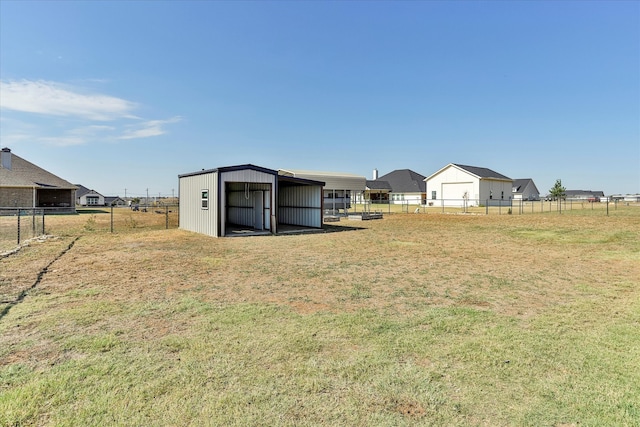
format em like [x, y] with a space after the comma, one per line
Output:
[92, 211]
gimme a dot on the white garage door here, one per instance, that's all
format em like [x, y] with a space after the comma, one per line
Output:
[453, 193]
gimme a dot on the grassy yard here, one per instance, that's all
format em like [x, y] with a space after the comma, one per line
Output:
[432, 319]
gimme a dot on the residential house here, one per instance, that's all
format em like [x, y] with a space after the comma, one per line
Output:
[116, 201]
[462, 185]
[86, 197]
[25, 185]
[525, 189]
[397, 187]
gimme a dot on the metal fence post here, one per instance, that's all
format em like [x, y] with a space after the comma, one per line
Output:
[166, 217]
[18, 226]
[43, 231]
[111, 218]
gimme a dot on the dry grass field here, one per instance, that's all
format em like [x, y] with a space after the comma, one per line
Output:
[432, 319]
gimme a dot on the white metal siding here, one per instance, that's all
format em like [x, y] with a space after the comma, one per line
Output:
[192, 216]
[300, 205]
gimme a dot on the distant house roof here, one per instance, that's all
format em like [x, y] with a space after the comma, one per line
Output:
[25, 174]
[109, 200]
[482, 172]
[377, 184]
[404, 181]
[82, 190]
[573, 193]
[520, 184]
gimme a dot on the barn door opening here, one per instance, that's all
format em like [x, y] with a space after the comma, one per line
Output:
[258, 210]
[267, 210]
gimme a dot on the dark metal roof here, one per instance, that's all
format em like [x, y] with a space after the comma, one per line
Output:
[231, 169]
[281, 178]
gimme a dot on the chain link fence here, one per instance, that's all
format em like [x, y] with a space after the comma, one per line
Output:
[492, 207]
[19, 225]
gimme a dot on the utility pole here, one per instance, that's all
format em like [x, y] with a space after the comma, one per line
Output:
[146, 200]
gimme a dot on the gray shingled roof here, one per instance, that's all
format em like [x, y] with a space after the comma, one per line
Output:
[519, 184]
[26, 174]
[405, 181]
[482, 172]
[376, 184]
[82, 190]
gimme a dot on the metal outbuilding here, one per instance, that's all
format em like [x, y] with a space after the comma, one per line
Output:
[339, 189]
[247, 199]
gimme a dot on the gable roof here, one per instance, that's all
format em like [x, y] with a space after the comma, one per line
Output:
[291, 179]
[25, 174]
[482, 172]
[405, 181]
[478, 172]
[82, 190]
[109, 200]
[520, 184]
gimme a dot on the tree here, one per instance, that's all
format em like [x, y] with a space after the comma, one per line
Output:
[557, 192]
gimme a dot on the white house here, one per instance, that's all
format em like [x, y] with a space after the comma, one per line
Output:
[87, 197]
[460, 185]
[525, 189]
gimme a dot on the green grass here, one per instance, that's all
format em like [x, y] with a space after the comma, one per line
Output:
[409, 322]
[256, 364]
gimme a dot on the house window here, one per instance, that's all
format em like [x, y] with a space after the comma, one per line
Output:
[92, 200]
[433, 195]
[502, 195]
[491, 194]
[205, 199]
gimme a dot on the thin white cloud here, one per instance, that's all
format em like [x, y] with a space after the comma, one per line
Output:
[64, 141]
[50, 98]
[148, 129]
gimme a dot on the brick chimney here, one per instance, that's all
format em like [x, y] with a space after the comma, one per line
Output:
[5, 158]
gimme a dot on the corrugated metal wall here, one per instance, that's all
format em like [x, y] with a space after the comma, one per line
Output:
[241, 202]
[300, 205]
[192, 216]
[240, 210]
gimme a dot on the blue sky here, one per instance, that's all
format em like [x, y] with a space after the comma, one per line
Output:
[121, 95]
